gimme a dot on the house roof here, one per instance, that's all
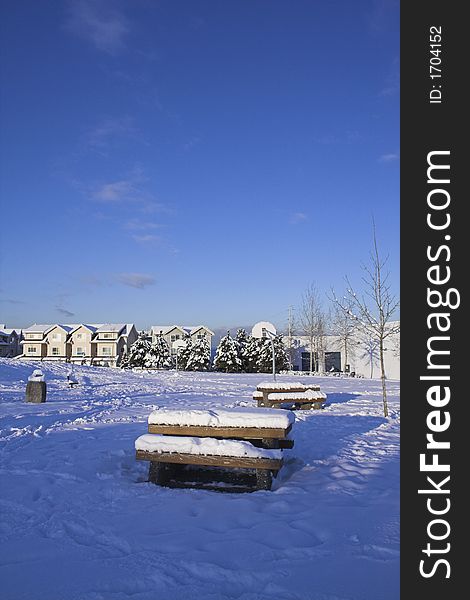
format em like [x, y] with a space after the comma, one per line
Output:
[8, 331]
[191, 329]
[39, 328]
[111, 328]
[66, 328]
[91, 328]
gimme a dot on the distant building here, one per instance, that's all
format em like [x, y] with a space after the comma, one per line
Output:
[95, 344]
[362, 354]
[173, 334]
[111, 342]
[10, 340]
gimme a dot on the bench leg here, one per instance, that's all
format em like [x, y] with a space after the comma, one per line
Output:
[269, 443]
[158, 473]
[264, 479]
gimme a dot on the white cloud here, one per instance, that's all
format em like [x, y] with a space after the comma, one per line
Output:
[298, 217]
[99, 23]
[117, 191]
[146, 238]
[136, 280]
[388, 158]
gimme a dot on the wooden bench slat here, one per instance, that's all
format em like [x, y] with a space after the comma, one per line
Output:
[223, 432]
[243, 462]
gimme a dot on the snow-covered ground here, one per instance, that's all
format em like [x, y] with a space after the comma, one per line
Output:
[78, 521]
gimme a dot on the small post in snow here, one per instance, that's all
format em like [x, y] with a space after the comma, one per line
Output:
[36, 388]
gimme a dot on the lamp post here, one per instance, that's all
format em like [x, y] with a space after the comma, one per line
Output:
[271, 337]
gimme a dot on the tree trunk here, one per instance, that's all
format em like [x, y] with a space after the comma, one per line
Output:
[382, 376]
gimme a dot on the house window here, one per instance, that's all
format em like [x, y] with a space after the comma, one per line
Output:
[175, 337]
[55, 351]
[106, 351]
[107, 336]
[79, 336]
[80, 352]
[56, 337]
[201, 336]
[32, 349]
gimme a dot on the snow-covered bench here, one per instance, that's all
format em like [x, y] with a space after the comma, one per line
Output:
[239, 438]
[310, 399]
[272, 393]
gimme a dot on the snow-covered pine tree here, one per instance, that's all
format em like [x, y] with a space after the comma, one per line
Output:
[137, 353]
[159, 356]
[281, 354]
[226, 357]
[185, 353]
[265, 359]
[242, 340]
[199, 358]
[253, 351]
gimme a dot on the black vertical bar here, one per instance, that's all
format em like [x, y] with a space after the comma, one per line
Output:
[434, 118]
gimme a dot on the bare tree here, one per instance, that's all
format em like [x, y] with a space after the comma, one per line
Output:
[374, 309]
[370, 350]
[345, 328]
[313, 324]
[292, 343]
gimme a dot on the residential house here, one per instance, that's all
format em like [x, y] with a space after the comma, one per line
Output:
[95, 344]
[82, 349]
[35, 341]
[174, 333]
[111, 342]
[58, 346]
[9, 341]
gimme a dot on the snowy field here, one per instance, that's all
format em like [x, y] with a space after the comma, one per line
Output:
[78, 521]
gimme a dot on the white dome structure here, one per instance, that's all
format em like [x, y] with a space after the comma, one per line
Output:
[260, 329]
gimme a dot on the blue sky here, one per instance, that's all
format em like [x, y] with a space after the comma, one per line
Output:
[198, 161]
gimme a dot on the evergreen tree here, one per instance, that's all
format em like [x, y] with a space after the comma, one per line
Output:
[265, 358]
[242, 340]
[226, 357]
[253, 351]
[199, 358]
[159, 356]
[137, 353]
[185, 353]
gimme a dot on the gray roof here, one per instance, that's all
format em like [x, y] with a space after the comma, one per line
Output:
[187, 328]
[39, 328]
[111, 328]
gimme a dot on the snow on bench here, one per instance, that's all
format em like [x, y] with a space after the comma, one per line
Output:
[267, 425]
[307, 396]
[273, 394]
[203, 447]
[283, 386]
[310, 399]
[166, 451]
[234, 417]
